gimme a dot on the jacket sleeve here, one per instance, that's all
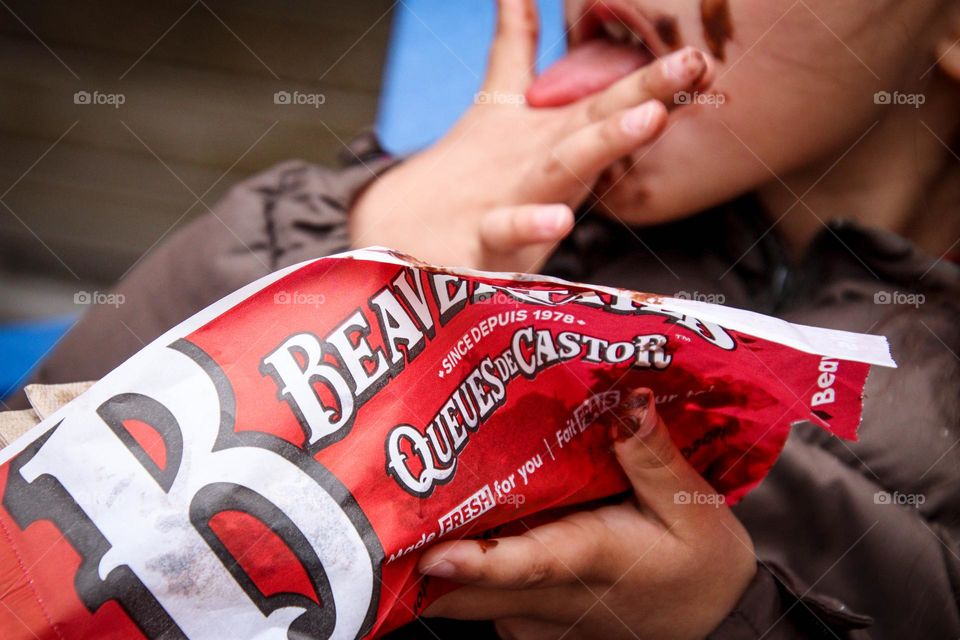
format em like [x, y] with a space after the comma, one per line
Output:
[293, 212]
[776, 606]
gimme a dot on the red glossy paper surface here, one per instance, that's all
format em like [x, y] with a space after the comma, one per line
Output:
[729, 411]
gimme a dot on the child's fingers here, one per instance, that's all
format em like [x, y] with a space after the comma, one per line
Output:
[590, 150]
[514, 49]
[509, 229]
[685, 70]
[553, 554]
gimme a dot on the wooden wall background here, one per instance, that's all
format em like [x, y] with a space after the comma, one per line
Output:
[86, 189]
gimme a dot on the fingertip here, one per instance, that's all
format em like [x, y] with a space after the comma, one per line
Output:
[637, 416]
[439, 569]
[642, 120]
[516, 14]
[451, 560]
[434, 555]
[641, 441]
[686, 67]
[513, 52]
[705, 81]
[438, 563]
[552, 222]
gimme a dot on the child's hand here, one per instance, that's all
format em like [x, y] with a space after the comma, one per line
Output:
[498, 191]
[671, 562]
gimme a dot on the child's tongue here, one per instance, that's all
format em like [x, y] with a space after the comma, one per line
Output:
[587, 68]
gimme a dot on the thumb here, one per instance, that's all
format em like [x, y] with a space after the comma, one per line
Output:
[660, 476]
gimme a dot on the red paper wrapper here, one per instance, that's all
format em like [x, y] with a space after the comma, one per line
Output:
[274, 466]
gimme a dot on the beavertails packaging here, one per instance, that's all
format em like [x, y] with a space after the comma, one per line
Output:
[274, 466]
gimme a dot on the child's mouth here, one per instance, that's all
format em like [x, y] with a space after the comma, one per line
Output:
[607, 42]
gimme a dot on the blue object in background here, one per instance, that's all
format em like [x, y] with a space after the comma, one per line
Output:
[436, 62]
[23, 345]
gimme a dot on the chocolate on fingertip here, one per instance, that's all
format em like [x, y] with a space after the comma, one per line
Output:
[684, 67]
[635, 417]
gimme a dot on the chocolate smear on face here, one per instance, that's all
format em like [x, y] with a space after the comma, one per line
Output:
[666, 27]
[717, 26]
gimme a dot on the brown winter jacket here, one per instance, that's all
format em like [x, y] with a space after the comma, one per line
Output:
[871, 527]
